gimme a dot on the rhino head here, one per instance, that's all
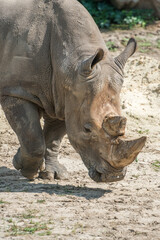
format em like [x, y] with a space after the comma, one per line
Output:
[94, 123]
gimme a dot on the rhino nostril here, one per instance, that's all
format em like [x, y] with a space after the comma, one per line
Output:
[87, 128]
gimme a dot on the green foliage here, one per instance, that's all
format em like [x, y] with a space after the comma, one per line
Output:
[158, 44]
[107, 16]
[111, 46]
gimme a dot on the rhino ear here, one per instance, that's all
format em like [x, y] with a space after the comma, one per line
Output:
[87, 65]
[128, 51]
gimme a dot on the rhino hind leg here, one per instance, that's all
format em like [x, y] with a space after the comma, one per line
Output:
[23, 117]
[54, 130]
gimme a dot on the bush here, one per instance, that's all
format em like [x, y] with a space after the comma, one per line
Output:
[107, 16]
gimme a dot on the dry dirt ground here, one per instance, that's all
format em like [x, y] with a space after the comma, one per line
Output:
[80, 208]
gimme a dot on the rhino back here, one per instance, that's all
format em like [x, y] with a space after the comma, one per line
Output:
[40, 43]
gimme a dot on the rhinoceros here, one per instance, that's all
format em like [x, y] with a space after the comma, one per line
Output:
[54, 64]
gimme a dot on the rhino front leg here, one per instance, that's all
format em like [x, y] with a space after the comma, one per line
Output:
[23, 116]
[54, 131]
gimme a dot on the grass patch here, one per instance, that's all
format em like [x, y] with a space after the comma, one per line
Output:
[143, 45]
[156, 165]
[27, 216]
[111, 46]
[31, 228]
[136, 160]
[46, 233]
[35, 227]
[77, 228]
[144, 50]
[3, 202]
[124, 41]
[41, 201]
[135, 176]
[10, 220]
[143, 131]
[158, 44]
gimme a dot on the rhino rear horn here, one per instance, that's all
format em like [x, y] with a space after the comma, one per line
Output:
[88, 64]
[128, 51]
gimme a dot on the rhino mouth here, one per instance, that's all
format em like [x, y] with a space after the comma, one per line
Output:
[109, 175]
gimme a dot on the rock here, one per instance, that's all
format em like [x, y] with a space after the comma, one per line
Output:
[157, 89]
[147, 4]
[124, 3]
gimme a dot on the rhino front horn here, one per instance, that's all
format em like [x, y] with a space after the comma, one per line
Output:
[125, 152]
[114, 125]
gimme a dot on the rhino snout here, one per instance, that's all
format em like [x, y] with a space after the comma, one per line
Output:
[109, 175]
[122, 154]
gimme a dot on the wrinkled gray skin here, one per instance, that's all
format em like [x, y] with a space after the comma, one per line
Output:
[54, 63]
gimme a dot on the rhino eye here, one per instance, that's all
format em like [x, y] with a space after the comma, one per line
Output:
[87, 128]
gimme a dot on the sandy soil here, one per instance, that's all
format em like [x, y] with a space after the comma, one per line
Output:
[80, 208]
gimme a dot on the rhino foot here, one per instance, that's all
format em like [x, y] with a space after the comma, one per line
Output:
[30, 171]
[54, 171]
[17, 161]
[29, 174]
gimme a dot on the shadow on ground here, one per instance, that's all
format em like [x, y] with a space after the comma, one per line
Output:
[12, 181]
